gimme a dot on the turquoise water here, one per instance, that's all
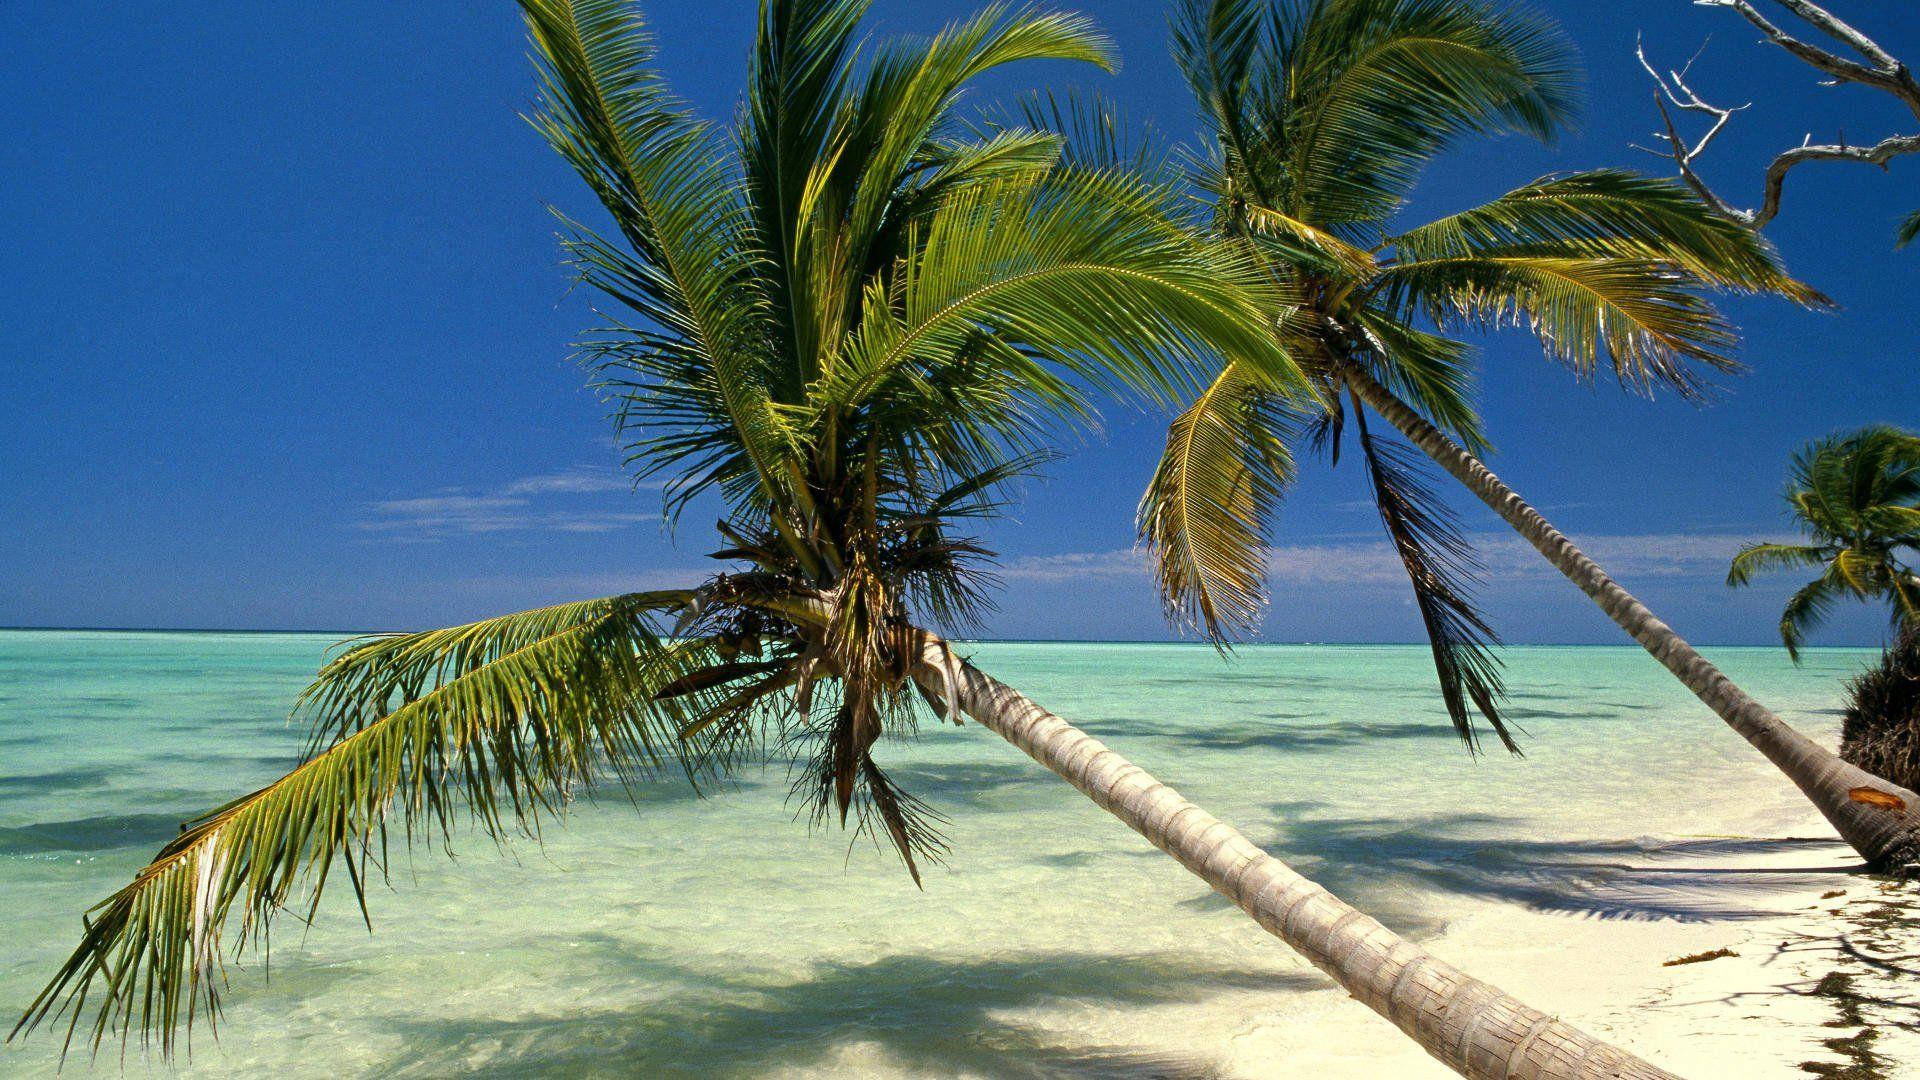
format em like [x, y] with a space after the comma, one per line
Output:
[718, 937]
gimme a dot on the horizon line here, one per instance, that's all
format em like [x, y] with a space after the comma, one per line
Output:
[960, 640]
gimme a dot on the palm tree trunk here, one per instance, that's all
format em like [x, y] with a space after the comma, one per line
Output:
[1474, 1028]
[1881, 820]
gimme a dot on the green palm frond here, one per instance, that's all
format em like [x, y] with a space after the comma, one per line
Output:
[1441, 566]
[1084, 272]
[1857, 496]
[1610, 213]
[1224, 49]
[798, 82]
[1300, 242]
[1807, 608]
[1905, 588]
[1907, 230]
[911, 86]
[1096, 133]
[1206, 513]
[1754, 559]
[1638, 318]
[1377, 87]
[507, 718]
[1432, 373]
[689, 267]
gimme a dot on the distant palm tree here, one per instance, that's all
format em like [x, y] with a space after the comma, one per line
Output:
[1857, 496]
[1323, 114]
[855, 324]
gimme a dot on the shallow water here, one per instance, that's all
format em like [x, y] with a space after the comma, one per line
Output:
[717, 937]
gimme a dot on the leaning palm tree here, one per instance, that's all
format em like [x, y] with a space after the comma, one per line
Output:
[1857, 496]
[850, 327]
[1322, 114]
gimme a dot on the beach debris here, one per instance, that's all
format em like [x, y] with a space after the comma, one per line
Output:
[1699, 957]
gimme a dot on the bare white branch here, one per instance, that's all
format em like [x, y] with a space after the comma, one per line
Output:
[1877, 68]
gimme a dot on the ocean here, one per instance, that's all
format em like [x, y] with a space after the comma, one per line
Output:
[677, 935]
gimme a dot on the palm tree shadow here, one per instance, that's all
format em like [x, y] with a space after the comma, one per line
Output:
[1383, 865]
[1288, 738]
[926, 1014]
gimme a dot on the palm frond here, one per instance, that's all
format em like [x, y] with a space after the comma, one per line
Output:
[1377, 87]
[1754, 559]
[1807, 608]
[689, 265]
[1223, 48]
[1907, 230]
[1641, 319]
[1084, 273]
[1207, 511]
[1439, 564]
[1611, 213]
[1097, 134]
[798, 83]
[1430, 372]
[1299, 242]
[506, 718]
[911, 86]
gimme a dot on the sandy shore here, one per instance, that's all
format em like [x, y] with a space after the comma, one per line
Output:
[1823, 977]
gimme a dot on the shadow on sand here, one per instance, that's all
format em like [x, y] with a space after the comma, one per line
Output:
[1381, 864]
[927, 1015]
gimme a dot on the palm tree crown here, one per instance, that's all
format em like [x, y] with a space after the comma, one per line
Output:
[1857, 496]
[1321, 116]
[848, 323]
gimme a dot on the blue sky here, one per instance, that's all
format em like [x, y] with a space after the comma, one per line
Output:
[283, 338]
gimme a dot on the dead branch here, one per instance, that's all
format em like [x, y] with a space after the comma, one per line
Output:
[1875, 68]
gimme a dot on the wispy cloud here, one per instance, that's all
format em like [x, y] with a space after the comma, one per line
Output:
[539, 503]
[1504, 558]
[576, 481]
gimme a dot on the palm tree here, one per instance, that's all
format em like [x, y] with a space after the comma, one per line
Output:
[1857, 496]
[1322, 114]
[850, 327]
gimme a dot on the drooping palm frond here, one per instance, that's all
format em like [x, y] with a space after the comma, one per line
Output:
[1440, 565]
[1754, 559]
[1207, 511]
[1610, 213]
[506, 718]
[1807, 608]
[1430, 372]
[1640, 319]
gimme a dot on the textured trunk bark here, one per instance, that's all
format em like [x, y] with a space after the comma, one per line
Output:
[1880, 819]
[1474, 1028]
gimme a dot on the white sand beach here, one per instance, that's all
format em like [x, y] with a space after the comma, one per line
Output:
[1811, 971]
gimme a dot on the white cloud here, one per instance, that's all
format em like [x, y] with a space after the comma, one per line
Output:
[1076, 565]
[577, 481]
[1504, 557]
[530, 504]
